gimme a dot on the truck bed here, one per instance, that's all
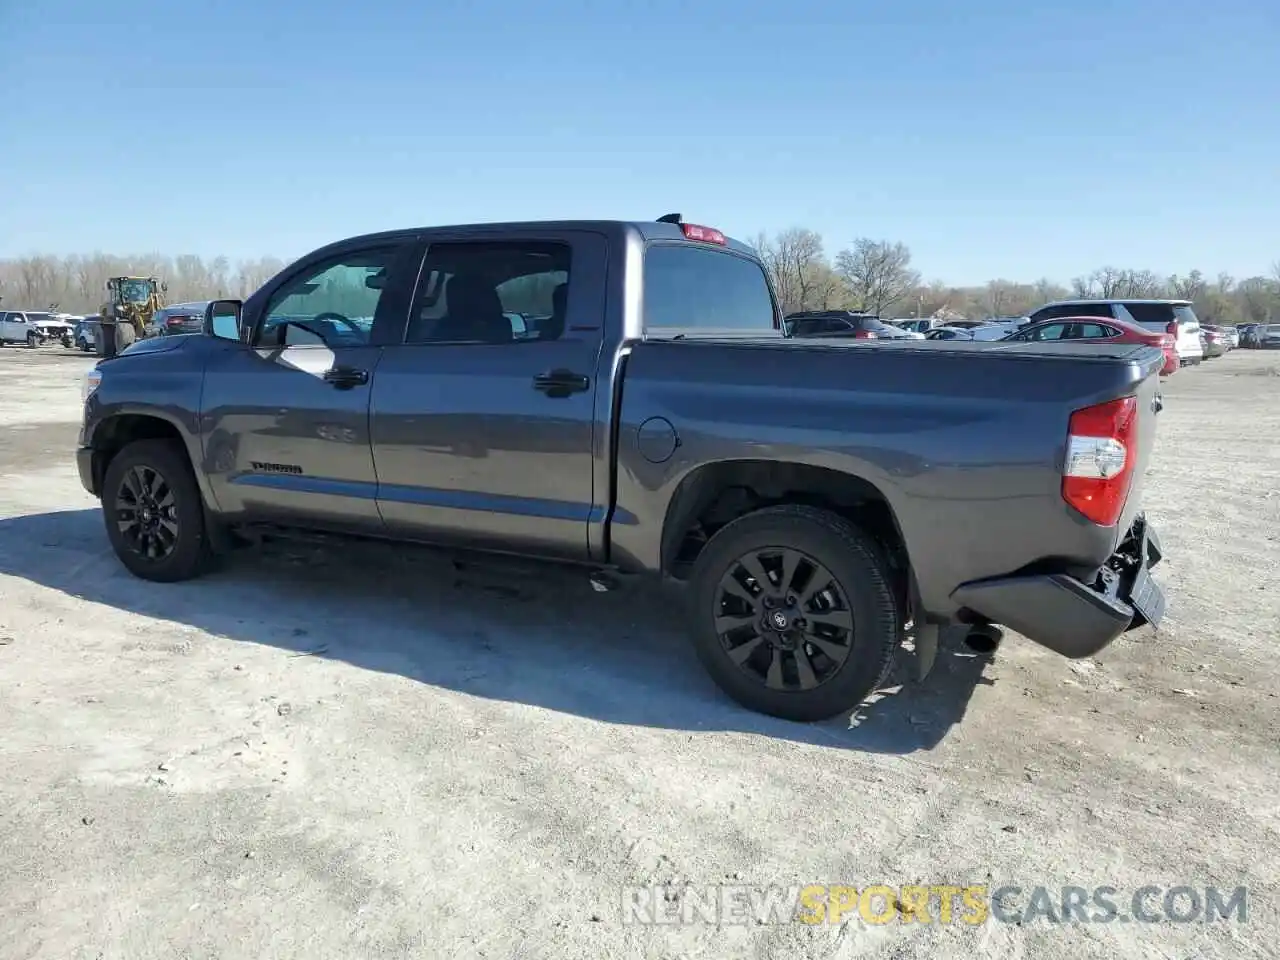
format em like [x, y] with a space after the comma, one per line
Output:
[965, 441]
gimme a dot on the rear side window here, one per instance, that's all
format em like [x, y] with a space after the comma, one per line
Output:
[1071, 310]
[692, 287]
[1151, 315]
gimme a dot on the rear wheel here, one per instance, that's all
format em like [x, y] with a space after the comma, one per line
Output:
[793, 614]
[153, 512]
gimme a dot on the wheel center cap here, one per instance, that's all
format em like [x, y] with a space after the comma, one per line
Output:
[779, 620]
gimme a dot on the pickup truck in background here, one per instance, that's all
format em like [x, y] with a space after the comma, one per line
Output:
[809, 496]
[33, 328]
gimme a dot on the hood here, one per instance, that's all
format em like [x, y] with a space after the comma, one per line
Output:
[152, 345]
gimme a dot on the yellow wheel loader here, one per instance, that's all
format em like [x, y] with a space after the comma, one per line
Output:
[126, 315]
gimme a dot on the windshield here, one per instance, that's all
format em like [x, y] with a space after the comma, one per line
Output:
[135, 291]
[39, 317]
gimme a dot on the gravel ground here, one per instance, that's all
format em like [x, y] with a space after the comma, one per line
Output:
[361, 753]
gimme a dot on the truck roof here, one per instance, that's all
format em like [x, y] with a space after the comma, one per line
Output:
[647, 229]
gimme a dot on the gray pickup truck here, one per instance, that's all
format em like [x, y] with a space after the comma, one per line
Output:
[620, 395]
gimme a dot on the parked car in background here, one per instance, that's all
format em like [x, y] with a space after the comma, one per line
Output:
[1233, 336]
[904, 326]
[1176, 317]
[1098, 330]
[920, 325]
[33, 328]
[1215, 341]
[1248, 335]
[85, 333]
[841, 323]
[949, 333]
[178, 318]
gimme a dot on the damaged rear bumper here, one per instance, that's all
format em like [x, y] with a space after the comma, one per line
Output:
[1068, 615]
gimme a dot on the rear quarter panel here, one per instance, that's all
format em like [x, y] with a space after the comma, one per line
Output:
[966, 445]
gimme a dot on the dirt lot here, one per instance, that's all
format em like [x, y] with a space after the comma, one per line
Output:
[321, 754]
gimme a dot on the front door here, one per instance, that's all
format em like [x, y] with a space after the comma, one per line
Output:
[483, 418]
[285, 417]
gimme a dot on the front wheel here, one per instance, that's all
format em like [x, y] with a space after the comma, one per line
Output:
[32, 341]
[153, 512]
[793, 614]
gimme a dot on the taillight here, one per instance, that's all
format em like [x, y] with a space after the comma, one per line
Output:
[1172, 329]
[1099, 463]
[706, 234]
[865, 335]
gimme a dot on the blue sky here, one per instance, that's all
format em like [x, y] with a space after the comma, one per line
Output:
[994, 138]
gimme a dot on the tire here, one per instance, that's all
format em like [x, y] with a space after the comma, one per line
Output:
[189, 552]
[860, 576]
[31, 341]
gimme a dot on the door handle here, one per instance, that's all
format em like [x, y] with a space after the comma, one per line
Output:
[561, 383]
[344, 378]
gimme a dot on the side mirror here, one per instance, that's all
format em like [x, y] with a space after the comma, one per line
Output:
[222, 319]
[164, 288]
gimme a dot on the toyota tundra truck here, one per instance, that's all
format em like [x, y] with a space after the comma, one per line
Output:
[621, 396]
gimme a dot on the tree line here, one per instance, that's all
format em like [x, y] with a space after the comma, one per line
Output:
[78, 284]
[877, 276]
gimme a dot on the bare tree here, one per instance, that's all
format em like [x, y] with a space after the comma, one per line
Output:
[796, 262]
[877, 273]
[1046, 291]
[1139, 284]
[1083, 287]
[1187, 288]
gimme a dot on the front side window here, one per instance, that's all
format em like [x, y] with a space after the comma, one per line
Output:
[691, 287]
[486, 292]
[331, 303]
[1050, 331]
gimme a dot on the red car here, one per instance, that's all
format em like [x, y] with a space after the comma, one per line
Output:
[1102, 330]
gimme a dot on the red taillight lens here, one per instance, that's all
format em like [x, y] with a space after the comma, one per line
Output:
[1172, 329]
[865, 335]
[705, 234]
[1099, 462]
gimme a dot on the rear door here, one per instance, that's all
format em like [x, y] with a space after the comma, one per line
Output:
[285, 417]
[483, 426]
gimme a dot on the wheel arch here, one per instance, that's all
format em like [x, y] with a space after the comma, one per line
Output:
[119, 429]
[713, 494]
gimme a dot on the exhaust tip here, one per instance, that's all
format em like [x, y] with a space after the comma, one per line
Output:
[984, 638]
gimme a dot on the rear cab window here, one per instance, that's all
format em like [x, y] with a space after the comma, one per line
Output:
[693, 288]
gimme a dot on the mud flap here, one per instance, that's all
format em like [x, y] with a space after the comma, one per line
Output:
[926, 643]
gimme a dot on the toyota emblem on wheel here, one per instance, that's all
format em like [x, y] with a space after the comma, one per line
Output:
[780, 620]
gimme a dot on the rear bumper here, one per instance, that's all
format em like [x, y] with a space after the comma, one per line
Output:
[1067, 615]
[84, 464]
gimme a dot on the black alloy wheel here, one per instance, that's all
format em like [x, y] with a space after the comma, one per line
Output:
[154, 513]
[792, 612]
[147, 513]
[784, 618]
